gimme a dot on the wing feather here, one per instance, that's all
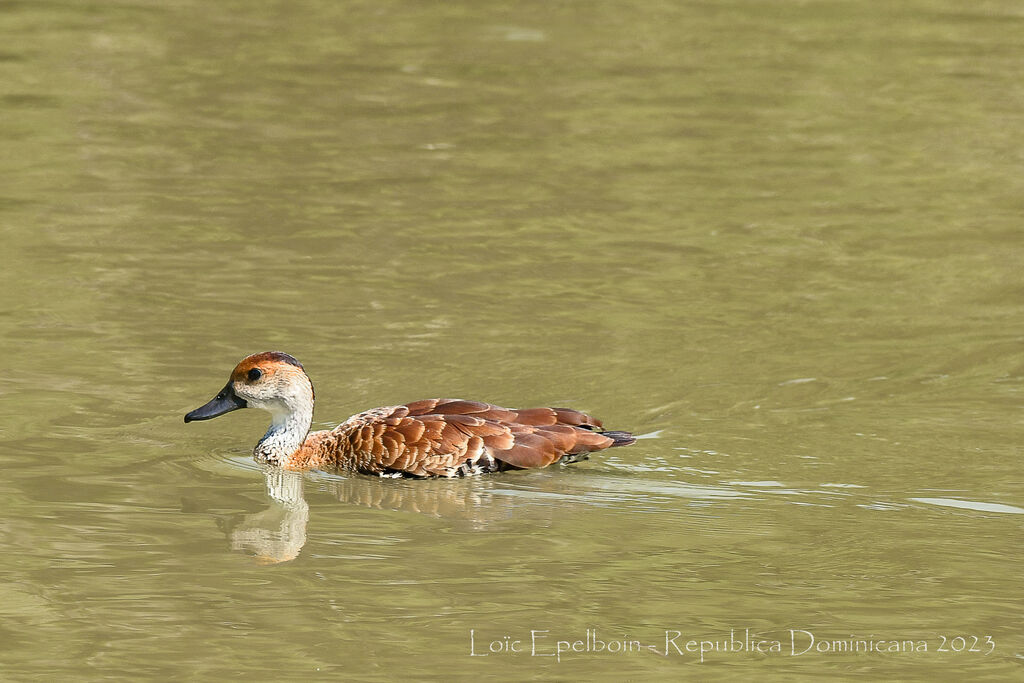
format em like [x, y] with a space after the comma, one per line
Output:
[437, 437]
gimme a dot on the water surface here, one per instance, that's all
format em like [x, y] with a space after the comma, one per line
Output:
[783, 240]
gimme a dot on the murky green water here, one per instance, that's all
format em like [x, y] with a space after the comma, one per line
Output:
[783, 239]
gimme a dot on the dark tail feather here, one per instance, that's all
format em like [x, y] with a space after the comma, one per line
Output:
[619, 438]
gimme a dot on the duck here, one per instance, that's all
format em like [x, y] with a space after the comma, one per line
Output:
[429, 438]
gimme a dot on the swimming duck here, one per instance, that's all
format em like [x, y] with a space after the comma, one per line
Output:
[435, 437]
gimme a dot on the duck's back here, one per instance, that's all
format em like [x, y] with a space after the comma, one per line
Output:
[444, 437]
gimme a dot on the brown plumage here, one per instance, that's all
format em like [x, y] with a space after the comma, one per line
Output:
[442, 437]
[438, 437]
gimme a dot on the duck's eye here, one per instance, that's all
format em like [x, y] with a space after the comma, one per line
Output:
[255, 374]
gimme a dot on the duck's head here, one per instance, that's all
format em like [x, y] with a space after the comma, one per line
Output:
[272, 380]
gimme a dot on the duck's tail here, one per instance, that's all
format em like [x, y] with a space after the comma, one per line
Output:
[619, 438]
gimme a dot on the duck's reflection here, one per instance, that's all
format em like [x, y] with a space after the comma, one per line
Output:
[278, 533]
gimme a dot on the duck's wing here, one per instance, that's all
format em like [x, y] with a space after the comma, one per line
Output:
[437, 437]
[537, 417]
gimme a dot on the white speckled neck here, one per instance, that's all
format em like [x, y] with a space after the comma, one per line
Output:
[287, 431]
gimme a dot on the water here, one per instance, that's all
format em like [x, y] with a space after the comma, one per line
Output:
[781, 239]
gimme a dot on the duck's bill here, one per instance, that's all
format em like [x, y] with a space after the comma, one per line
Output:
[224, 402]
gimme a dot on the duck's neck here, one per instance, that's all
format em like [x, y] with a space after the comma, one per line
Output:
[287, 432]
